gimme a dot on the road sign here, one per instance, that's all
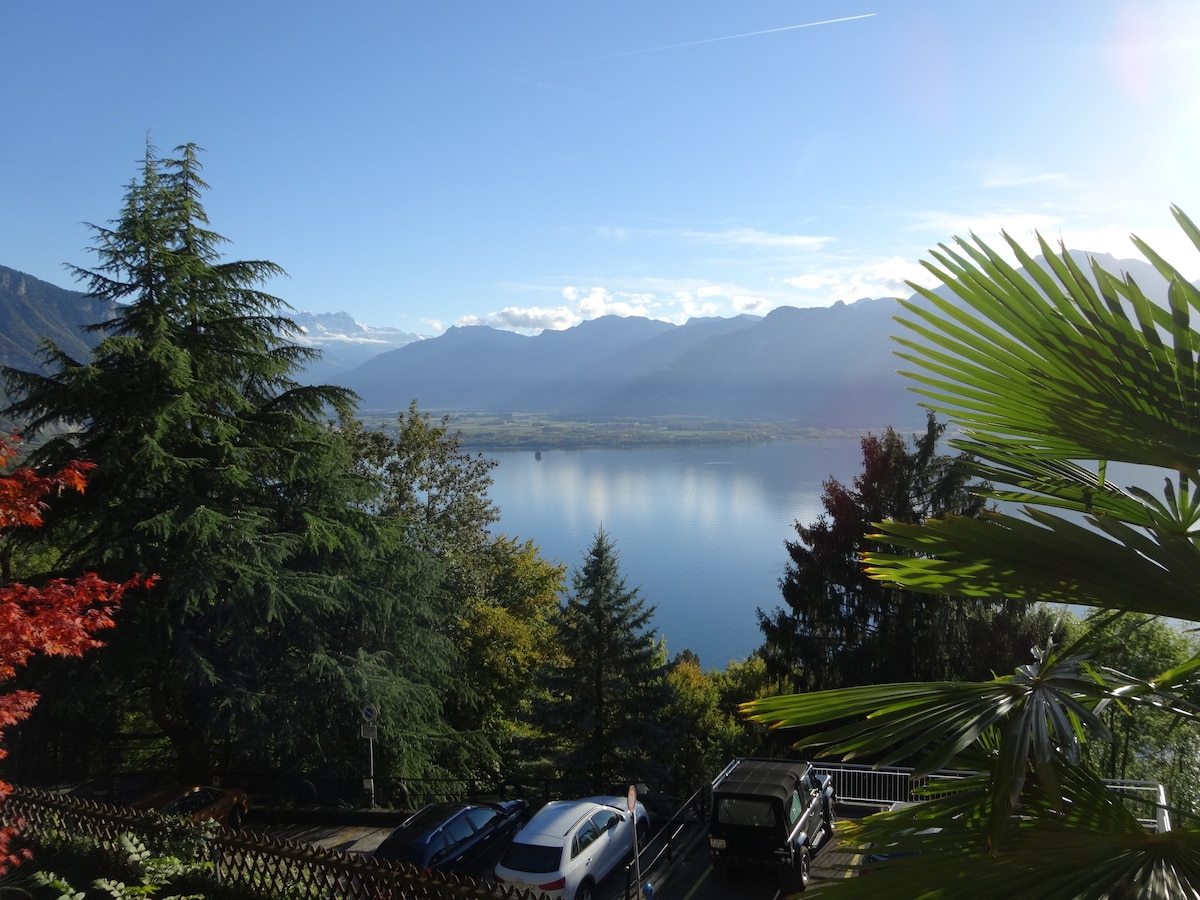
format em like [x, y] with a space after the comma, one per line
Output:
[370, 713]
[631, 800]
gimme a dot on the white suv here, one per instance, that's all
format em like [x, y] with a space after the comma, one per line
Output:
[568, 847]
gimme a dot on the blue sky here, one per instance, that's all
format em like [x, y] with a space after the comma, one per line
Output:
[529, 165]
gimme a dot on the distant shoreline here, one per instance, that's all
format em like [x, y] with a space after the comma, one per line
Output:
[539, 431]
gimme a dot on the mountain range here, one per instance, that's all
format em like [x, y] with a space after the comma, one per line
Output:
[821, 367]
[825, 367]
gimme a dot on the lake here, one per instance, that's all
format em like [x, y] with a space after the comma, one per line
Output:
[699, 530]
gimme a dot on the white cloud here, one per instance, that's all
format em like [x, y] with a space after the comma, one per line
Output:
[581, 304]
[599, 302]
[613, 232]
[847, 283]
[527, 320]
[1008, 175]
[811, 282]
[946, 225]
[752, 305]
[689, 305]
[751, 237]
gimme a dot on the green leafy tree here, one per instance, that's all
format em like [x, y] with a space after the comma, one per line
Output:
[707, 729]
[1051, 375]
[606, 698]
[507, 637]
[1147, 744]
[284, 604]
[504, 594]
[841, 627]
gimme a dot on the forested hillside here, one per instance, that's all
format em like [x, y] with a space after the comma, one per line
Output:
[32, 311]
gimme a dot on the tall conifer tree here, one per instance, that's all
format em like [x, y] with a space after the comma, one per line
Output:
[283, 605]
[608, 699]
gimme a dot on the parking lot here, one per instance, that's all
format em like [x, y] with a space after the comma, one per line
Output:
[689, 877]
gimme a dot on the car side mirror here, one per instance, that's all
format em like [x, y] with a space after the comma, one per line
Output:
[612, 822]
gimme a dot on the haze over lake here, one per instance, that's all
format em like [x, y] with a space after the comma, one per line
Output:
[699, 530]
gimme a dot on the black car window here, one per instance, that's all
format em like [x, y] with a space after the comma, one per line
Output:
[459, 829]
[425, 821]
[602, 818]
[584, 837]
[739, 811]
[441, 847]
[482, 818]
[531, 858]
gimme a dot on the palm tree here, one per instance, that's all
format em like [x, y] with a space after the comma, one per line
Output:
[1049, 376]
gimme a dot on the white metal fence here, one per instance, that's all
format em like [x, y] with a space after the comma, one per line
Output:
[886, 785]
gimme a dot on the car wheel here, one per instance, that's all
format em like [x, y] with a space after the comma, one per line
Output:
[643, 831]
[803, 869]
[585, 891]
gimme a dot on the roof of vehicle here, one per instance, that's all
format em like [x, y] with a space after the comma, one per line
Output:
[761, 777]
[556, 819]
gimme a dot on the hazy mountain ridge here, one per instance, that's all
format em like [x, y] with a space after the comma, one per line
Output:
[33, 311]
[828, 366]
[344, 342]
[831, 366]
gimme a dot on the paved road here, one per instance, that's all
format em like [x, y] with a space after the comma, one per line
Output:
[693, 879]
[346, 838]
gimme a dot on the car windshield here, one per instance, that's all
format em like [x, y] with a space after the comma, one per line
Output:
[737, 811]
[428, 818]
[192, 801]
[531, 858]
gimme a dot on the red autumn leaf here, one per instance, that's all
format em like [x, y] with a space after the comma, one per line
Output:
[55, 619]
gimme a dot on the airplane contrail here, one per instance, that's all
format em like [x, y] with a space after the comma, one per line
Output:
[728, 37]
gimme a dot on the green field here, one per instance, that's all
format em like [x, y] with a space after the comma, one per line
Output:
[534, 431]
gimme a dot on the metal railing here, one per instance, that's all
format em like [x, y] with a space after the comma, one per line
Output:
[671, 839]
[1147, 799]
[886, 785]
[883, 786]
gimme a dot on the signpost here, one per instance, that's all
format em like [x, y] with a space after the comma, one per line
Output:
[370, 731]
[631, 803]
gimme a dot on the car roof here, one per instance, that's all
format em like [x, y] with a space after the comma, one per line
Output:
[556, 819]
[762, 778]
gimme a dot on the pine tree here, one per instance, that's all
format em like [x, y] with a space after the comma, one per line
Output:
[608, 699]
[841, 627]
[283, 601]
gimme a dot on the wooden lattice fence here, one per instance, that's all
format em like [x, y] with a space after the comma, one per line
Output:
[258, 863]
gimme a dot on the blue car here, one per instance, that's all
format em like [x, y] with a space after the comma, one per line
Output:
[459, 837]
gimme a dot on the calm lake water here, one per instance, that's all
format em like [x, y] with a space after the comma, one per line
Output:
[699, 530]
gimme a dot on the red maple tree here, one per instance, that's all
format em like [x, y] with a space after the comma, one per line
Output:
[57, 618]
